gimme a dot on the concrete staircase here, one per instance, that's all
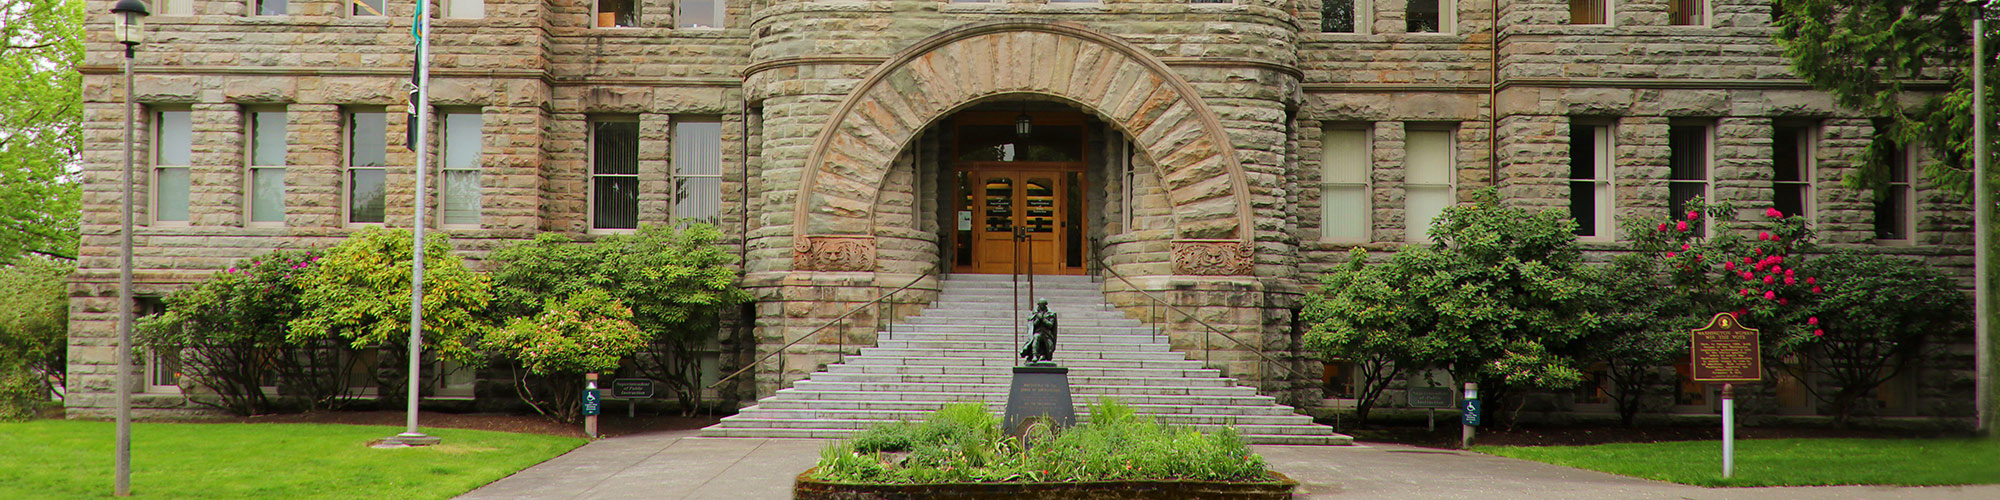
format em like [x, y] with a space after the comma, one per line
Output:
[962, 349]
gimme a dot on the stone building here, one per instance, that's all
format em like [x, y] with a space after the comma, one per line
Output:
[1215, 154]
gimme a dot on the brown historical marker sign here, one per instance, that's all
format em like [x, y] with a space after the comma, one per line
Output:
[1726, 351]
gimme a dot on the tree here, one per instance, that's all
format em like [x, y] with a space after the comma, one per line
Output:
[359, 293]
[34, 327]
[677, 283]
[1644, 328]
[1879, 57]
[41, 133]
[1360, 314]
[585, 332]
[1874, 325]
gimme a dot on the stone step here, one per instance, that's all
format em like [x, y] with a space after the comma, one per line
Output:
[774, 403]
[1173, 364]
[1001, 388]
[1006, 372]
[1082, 414]
[1000, 398]
[1000, 325]
[1287, 439]
[1063, 343]
[857, 425]
[1002, 378]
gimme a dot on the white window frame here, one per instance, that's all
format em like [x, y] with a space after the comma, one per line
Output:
[1610, 8]
[1704, 13]
[251, 169]
[1707, 181]
[158, 118]
[354, 4]
[453, 380]
[1906, 161]
[1364, 17]
[1603, 185]
[445, 168]
[1807, 143]
[462, 9]
[721, 18]
[597, 14]
[1327, 185]
[174, 7]
[675, 162]
[349, 127]
[1414, 231]
[152, 374]
[1447, 18]
[257, 8]
[591, 195]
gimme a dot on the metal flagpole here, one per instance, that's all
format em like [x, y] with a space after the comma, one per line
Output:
[1982, 204]
[421, 106]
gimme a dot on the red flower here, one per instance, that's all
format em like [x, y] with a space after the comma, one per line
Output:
[1773, 213]
[1670, 255]
[1741, 312]
[1692, 215]
[1760, 251]
[1747, 260]
[1812, 320]
[1782, 301]
[1745, 292]
[1809, 280]
[1762, 236]
[1770, 295]
[1769, 279]
[1815, 289]
[1791, 281]
[1729, 266]
[1748, 275]
[1663, 226]
[1697, 257]
[1685, 247]
[1681, 226]
[1777, 259]
[1790, 272]
[1819, 333]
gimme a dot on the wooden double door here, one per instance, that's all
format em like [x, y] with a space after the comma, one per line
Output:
[1021, 218]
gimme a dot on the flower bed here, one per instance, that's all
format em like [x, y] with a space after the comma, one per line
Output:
[960, 452]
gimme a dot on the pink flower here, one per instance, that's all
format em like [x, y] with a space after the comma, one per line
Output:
[1770, 295]
[1685, 247]
[1782, 301]
[1813, 320]
[1769, 279]
[1749, 275]
[1670, 255]
[1741, 312]
[1663, 226]
[1760, 251]
[232, 270]
[1790, 272]
[1697, 257]
[1681, 226]
[1692, 215]
[1809, 280]
[1729, 266]
[1745, 292]
[1762, 236]
[1773, 213]
[1747, 260]
[1775, 269]
[1791, 281]
[1819, 333]
[1815, 289]
[1777, 259]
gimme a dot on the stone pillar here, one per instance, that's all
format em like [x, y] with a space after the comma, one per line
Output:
[1640, 168]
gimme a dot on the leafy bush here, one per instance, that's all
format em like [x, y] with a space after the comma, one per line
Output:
[587, 332]
[358, 294]
[962, 443]
[1873, 325]
[34, 327]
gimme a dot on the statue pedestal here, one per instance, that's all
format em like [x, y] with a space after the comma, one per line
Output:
[1039, 393]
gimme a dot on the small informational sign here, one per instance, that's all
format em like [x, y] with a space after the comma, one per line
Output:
[592, 402]
[1726, 351]
[1430, 397]
[632, 388]
[1470, 410]
[965, 220]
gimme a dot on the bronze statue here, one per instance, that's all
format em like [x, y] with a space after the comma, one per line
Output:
[1042, 324]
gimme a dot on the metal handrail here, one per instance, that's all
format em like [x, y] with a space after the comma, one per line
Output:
[815, 331]
[1259, 350]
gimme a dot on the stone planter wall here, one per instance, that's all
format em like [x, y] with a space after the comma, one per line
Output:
[1279, 488]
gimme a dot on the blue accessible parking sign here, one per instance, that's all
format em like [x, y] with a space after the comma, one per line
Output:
[1471, 412]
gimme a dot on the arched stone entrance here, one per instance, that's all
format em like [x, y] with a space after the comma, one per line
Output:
[835, 215]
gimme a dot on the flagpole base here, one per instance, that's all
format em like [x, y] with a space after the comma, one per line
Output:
[409, 439]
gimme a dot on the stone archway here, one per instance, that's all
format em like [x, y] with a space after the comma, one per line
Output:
[834, 220]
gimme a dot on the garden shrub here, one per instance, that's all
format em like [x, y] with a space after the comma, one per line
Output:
[1873, 323]
[34, 327]
[358, 294]
[583, 333]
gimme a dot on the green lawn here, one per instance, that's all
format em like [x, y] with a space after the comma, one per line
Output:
[54, 459]
[1784, 462]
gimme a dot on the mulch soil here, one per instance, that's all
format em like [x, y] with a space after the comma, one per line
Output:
[1447, 436]
[609, 425]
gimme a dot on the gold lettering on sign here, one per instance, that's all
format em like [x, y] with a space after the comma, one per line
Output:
[1726, 351]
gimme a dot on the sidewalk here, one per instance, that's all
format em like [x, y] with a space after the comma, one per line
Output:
[678, 466]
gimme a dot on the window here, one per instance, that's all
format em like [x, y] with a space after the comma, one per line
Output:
[464, 9]
[1344, 163]
[1337, 379]
[270, 7]
[267, 166]
[1687, 168]
[454, 380]
[1344, 16]
[1792, 170]
[1427, 181]
[617, 13]
[163, 367]
[1590, 179]
[697, 164]
[367, 8]
[614, 155]
[1687, 12]
[1894, 214]
[460, 184]
[174, 7]
[700, 14]
[1595, 391]
[367, 155]
[1427, 16]
[1588, 11]
[173, 145]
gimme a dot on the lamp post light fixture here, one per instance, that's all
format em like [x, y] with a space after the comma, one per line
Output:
[1024, 126]
[129, 25]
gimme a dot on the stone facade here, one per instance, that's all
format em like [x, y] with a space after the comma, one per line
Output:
[1209, 118]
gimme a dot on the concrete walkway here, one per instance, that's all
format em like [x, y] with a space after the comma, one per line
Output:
[678, 466]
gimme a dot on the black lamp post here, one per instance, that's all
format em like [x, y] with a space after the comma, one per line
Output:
[129, 25]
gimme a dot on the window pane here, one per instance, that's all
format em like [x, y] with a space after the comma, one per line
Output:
[697, 147]
[1425, 204]
[461, 140]
[1336, 16]
[697, 199]
[616, 13]
[1789, 198]
[1688, 150]
[617, 203]
[176, 140]
[1423, 16]
[368, 140]
[1786, 164]
[367, 7]
[700, 14]
[1684, 12]
[267, 130]
[1586, 11]
[615, 147]
[1344, 156]
[1890, 222]
[171, 198]
[1428, 157]
[267, 194]
[1583, 207]
[1345, 214]
[165, 367]
[465, 9]
[270, 7]
[365, 194]
[1678, 194]
[1582, 152]
[461, 197]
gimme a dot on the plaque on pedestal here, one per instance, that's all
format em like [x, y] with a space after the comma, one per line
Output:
[1039, 393]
